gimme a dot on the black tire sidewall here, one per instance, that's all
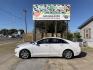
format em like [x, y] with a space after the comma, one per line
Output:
[28, 53]
[65, 53]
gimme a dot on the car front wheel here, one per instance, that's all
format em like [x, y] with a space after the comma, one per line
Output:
[68, 54]
[24, 54]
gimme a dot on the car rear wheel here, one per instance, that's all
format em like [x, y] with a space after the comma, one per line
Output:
[68, 54]
[24, 54]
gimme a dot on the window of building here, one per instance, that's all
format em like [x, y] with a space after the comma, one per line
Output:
[89, 33]
[84, 33]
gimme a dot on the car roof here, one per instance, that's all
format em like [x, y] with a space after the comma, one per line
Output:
[56, 38]
[52, 37]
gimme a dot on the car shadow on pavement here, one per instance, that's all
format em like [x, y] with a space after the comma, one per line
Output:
[82, 54]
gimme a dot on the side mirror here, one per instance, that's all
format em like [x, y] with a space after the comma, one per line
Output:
[38, 44]
[35, 43]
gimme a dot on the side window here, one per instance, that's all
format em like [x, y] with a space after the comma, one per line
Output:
[61, 41]
[54, 40]
[44, 41]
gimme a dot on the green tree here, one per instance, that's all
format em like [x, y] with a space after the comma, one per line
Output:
[70, 36]
[77, 36]
[4, 31]
[11, 31]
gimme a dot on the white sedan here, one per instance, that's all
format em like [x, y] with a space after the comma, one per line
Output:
[48, 47]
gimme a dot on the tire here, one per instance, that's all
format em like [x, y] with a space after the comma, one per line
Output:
[68, 54]
[24, 54]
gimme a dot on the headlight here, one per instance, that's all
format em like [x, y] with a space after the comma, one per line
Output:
[17, 47]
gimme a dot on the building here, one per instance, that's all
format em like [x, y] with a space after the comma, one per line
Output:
[46, 28]
[50, 20]
[86, 32]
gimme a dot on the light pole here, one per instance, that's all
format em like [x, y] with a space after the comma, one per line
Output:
[25, 13]
[25, 21]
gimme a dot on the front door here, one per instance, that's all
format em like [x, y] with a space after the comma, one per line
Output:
[41, 48]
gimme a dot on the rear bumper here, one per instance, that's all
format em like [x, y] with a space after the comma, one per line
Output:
[77, 52]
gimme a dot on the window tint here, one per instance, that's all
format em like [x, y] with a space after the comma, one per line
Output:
[54, 40]
[51, 40]
[61, 41]
[44, 41]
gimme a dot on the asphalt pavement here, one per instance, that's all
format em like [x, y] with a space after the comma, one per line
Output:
[32, 64]
[82, 62]
[6, 39]
[8, 61]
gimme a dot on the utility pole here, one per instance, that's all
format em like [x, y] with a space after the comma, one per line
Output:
[25, 14]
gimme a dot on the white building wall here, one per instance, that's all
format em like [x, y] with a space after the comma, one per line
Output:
[89, 41]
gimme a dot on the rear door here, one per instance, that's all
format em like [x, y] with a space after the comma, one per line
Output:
[57, 46]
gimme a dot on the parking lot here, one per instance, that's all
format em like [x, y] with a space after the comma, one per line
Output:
[82, 62]
[10, 62]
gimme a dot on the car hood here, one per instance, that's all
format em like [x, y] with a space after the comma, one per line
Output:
[24, 44]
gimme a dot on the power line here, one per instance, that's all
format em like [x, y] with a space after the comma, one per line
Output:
[9, 13]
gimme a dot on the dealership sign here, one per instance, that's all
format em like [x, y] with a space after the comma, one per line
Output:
[51, 12]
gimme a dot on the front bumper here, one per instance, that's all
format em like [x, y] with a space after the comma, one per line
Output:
[16, 52]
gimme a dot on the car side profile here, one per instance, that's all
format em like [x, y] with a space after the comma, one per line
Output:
[48, 47]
